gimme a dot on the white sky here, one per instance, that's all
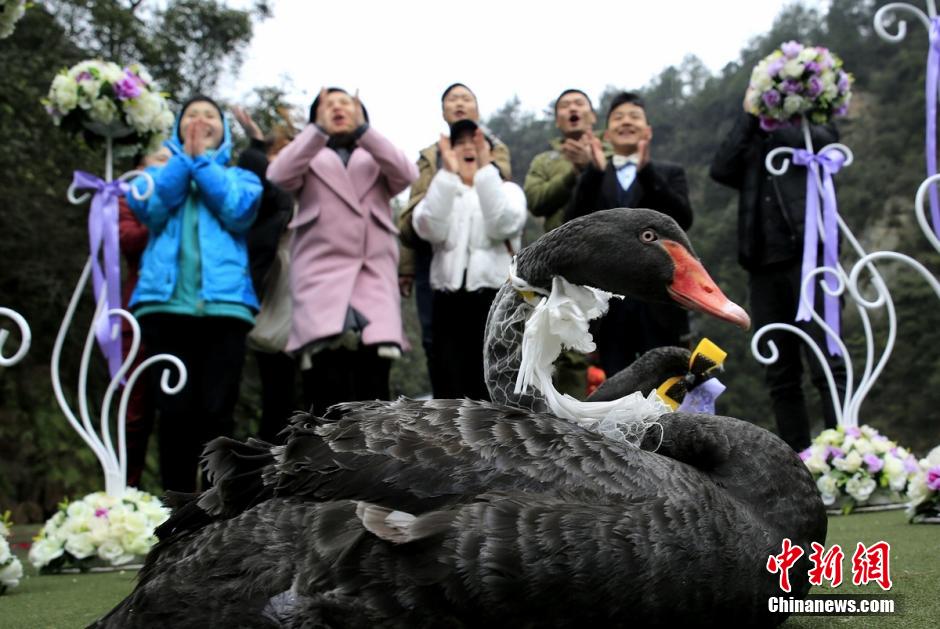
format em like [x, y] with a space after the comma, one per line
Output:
[401, 55]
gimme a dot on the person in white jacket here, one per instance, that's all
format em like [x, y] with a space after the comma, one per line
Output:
[473, 220]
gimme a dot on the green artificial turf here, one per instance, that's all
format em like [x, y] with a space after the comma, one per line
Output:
[74, 600]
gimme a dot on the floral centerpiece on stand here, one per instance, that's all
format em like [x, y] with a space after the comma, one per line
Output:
[924, 490]
[858, 467]
[98, 527]
[100, 98]
[10, 13]
[797, 81]
[11, 570]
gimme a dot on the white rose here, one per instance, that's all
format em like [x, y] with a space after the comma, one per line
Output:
[864, 446]
[917, 490]
[80, 546]
[830, 436]
[63, 93]
[832, 91]
[817, 464]
[100, 500]
[849, 464]
[103, 111]
[111, 72]
[793, 69]
[895, 472]
[112, 552]
[44, 551]
[761, 80]
[99, 531]
[881, 446]
[860, 488]
[136, 544]
[5, 553]
[829, 489]
[933, 457]
[11, 573]
[792, 104]
[807, 54]
[78, 510]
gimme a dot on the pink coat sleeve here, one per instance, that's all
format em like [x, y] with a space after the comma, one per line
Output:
[399, 171]
[289, 167]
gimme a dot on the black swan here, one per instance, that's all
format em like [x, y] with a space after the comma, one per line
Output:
[459, 513]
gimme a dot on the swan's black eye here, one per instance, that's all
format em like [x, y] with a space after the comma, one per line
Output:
[648, 235]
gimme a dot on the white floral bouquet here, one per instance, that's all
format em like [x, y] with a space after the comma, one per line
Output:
[924, 490]
[10, 13]
[11, 570]
[797, 80]
[858, 467]
[98, 526]
[102, 99]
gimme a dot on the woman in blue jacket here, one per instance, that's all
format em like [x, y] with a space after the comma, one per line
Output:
[195, 298]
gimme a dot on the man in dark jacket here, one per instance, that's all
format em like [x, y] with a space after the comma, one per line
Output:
[771, 214]
[630, 179]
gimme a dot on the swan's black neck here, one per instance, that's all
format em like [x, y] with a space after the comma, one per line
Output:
[502, 350]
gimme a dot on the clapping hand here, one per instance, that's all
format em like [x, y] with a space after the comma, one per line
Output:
[578, 152]
[448, 155]
[597, 153]
[643, 149]
[251, 129]
[197, 138]
[360, 116]
[484, 156]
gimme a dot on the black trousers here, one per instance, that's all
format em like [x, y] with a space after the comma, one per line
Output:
[343, 375]
[277, 372]
[631, 328]
[774, 298]
[213, 350]
[458, 328]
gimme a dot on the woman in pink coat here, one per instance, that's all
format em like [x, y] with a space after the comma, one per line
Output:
[346, 323]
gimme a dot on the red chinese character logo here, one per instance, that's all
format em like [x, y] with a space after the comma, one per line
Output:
[781, 563]
[871, 564]
[826, 566]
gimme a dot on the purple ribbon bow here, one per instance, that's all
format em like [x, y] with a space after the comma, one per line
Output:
[820, 167]
[933, 79]
[103, 234]
[702, 398]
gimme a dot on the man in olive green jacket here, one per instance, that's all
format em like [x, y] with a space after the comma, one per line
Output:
[549, 188]
[549, 184]
[457, 103]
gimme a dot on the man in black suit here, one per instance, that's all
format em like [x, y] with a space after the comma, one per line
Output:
[630, 179]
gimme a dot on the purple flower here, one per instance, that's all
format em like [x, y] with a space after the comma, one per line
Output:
[834, 452]
[792, 86]
[774, 67]
[853, 431]
[874, 462]
[813, 87]
[101, 513]
[840, 110]
[791, 49]
[769, 124]
[933, 478]
[843, 82]
[83, 76]
[805, 454]
[771, 98]
[127, 87]
[910, 464]
[812, 67]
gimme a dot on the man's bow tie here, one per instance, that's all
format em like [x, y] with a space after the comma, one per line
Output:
[620, 161]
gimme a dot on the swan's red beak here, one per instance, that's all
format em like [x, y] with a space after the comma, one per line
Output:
[694, 289]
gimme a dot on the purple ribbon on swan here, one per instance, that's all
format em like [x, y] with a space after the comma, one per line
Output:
[103, 239]
[702, 398]
[932, 83]
[819, 168]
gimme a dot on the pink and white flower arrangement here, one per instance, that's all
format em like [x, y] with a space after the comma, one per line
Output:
[11, 570]
[924, 490]
[797, 80]
[858, 466]
[102, 98]
[10, 13]
[100, 526]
